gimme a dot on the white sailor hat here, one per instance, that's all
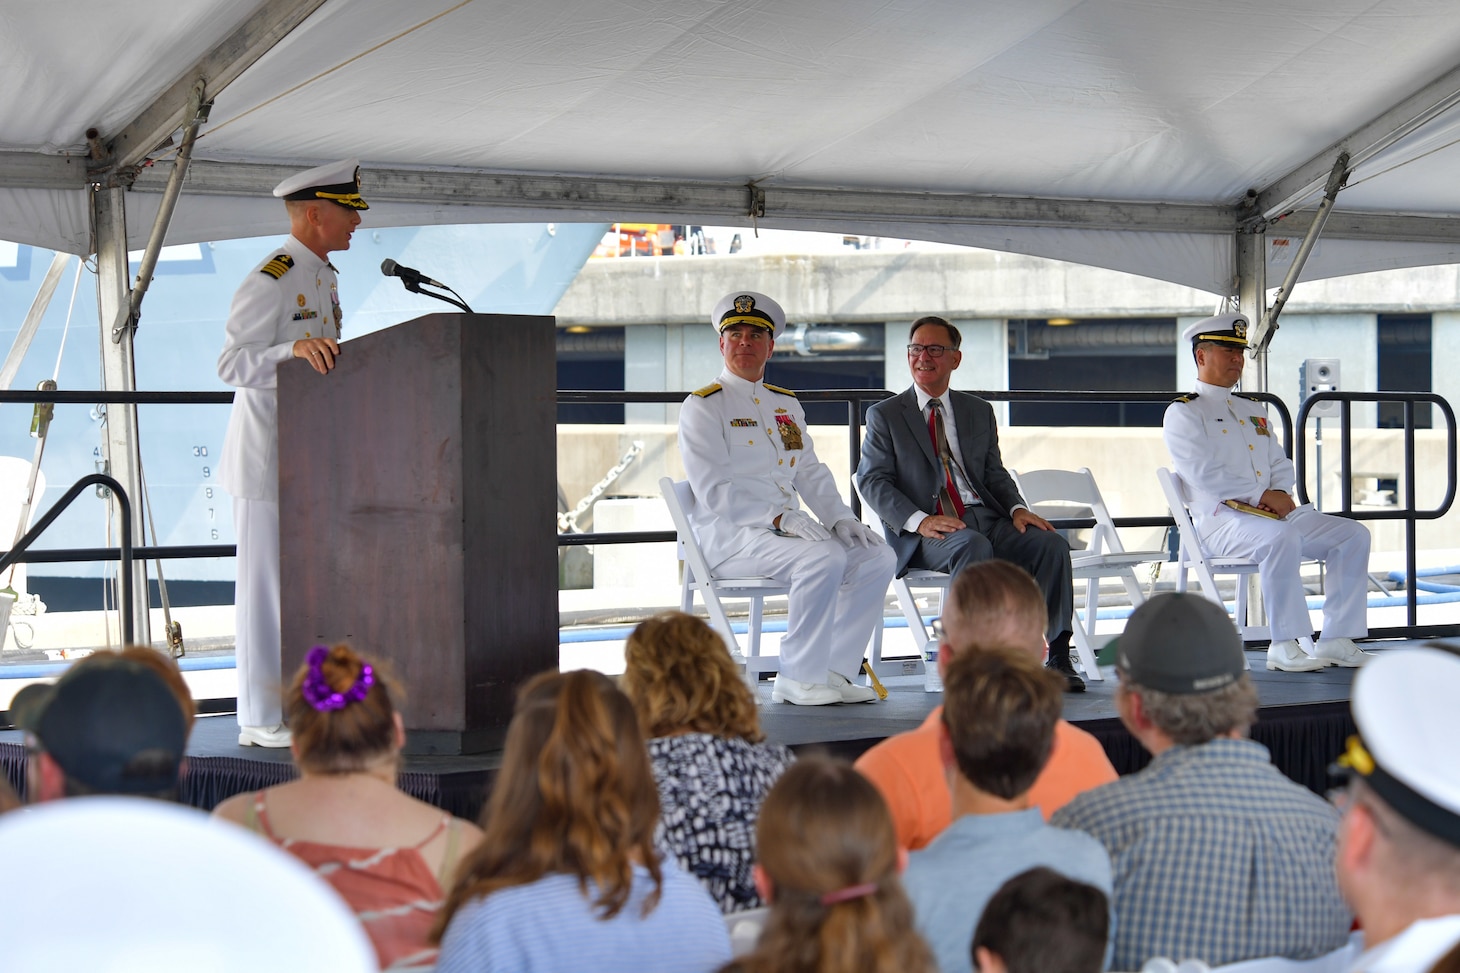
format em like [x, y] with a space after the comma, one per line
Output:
[1404, 707]
[1225, 329]
[338, 182]
[748, 307]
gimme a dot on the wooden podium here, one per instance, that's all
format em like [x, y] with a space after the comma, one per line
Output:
[417, 515]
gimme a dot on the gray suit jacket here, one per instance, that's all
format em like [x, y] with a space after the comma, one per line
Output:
[899, 472]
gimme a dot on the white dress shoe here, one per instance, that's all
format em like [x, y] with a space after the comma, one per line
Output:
[275, 736]
[1341, 652]
[786, 690]
[1288, 655]
[850, 691]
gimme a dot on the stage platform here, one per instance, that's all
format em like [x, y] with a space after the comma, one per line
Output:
[1304, 720]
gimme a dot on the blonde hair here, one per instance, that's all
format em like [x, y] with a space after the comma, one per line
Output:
[575, 796]
[355, 736]
[680, 677]
[825, 829]
[996, 602]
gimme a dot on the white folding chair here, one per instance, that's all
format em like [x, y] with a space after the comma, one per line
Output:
[902, 588]
[1106, 557]
[698, 577]
[1191, 556]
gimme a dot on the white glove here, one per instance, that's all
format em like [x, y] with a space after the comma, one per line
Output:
[854, 533]
[801, 524]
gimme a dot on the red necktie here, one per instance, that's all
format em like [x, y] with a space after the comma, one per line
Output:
[948, 498]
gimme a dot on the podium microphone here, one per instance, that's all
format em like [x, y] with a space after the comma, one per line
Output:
[413, 279]
[410, 275]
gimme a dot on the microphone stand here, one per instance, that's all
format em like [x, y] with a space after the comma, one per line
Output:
[415, 288]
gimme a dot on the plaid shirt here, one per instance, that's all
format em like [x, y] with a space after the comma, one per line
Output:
[1217, 856]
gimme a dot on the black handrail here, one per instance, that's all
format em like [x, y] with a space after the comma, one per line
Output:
[1408, 512]
[14, 554]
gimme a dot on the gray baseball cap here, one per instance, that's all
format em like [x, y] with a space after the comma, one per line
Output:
[1180, 643]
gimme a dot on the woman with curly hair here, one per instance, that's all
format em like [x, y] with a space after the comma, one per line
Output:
[710, 760]
[389, 855]
[828, 865]
[567, 876]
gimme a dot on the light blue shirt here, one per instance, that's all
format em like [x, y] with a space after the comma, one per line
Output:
[952, 879]
[551, 926]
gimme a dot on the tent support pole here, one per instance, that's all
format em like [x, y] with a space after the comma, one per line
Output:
[1252, 304]
[109, 230]
[197, 113]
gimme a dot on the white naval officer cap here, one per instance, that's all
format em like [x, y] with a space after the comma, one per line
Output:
[1404, 707]
[748, 307]
[338, 182]
[1226, 329]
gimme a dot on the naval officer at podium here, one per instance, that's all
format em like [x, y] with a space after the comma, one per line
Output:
[287, 307]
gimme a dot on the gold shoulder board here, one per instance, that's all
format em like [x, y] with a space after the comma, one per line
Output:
[707, 390]
[1189, 397]
[777, 388]
[278, 267]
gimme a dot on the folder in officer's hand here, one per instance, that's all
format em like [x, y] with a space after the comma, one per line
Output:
[1248, 508]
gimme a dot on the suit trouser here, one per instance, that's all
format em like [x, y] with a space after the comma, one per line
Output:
[1279, 547]
[256, 613]
[835, 602]
[1043, 553]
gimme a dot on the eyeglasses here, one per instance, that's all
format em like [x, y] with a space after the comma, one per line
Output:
[934, 351]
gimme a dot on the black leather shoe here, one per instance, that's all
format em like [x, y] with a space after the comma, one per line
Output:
[1061, 665]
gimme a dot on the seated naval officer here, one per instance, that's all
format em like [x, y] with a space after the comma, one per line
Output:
[1239, 478]
[750, 463]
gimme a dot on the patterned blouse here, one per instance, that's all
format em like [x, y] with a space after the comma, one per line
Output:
[710, 791]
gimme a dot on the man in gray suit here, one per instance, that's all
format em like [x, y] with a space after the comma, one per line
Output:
[931, 470]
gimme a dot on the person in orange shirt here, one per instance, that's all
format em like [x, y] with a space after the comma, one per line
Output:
[994, 602]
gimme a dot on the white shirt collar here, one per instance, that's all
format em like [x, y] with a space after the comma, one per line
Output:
[304, 258]
[924, 398]
[730, 380]
[1202, 388]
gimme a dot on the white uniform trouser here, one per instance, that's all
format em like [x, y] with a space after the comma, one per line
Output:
[256, 613]
[835, 603]
[1279, 547]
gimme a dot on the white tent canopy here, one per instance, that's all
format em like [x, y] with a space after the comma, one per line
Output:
[1128, 134]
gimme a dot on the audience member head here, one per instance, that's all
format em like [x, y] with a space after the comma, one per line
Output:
[828, 865]
[575, 796]
[166, 667]
[1039, 921]
[1398, 857]
[1182, 674]
[108, 726]
[993, 603]
[9, 800]
[342, 714]
[681, 678]
[1000, 707]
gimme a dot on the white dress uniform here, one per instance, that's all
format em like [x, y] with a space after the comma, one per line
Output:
[1224, 447]
[292, 294]
[749, 460]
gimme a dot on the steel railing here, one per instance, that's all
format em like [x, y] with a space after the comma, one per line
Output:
[1406, 512]
[857, 401]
